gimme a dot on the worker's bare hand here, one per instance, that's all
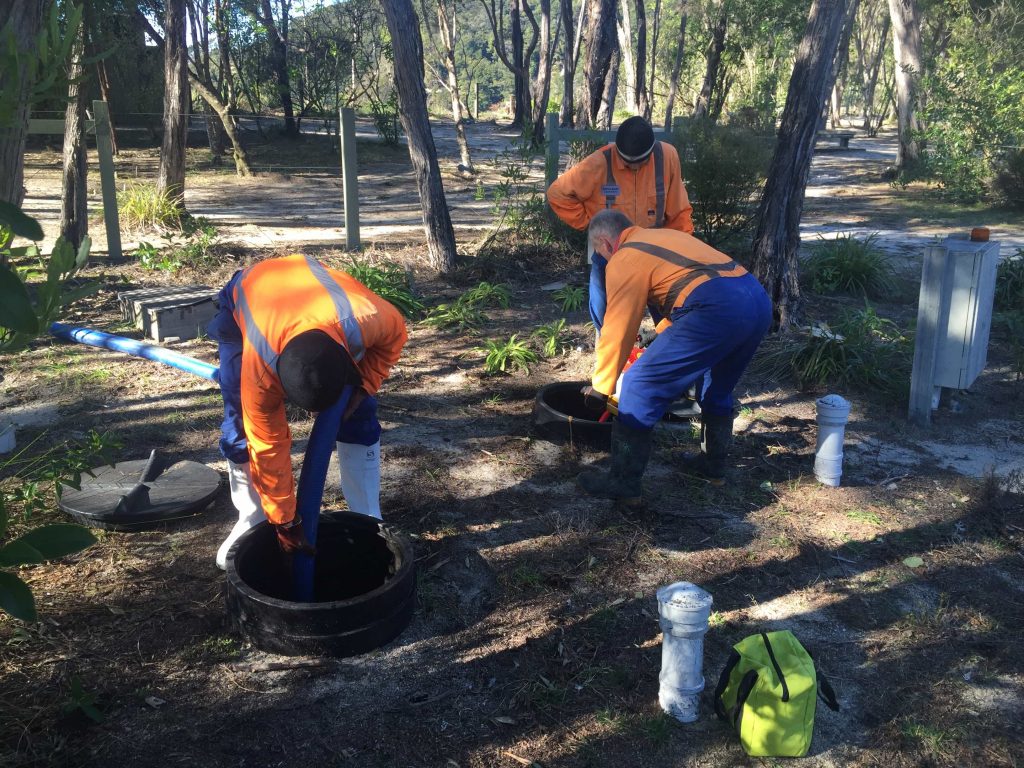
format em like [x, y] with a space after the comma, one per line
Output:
[593, 399]
[291, 538]
[354, 402]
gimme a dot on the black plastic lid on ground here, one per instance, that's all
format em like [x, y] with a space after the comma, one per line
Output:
[134, 495]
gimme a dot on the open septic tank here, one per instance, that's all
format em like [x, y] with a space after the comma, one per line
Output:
[364, 586]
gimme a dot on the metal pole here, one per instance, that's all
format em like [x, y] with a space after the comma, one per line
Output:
[108, 184]
[350, 178]
[551, 154]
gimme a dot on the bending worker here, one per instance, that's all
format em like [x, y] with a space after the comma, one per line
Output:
[717, 313]
[636, 175]
[290, 329]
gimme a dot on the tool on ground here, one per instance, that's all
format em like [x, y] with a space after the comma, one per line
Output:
[768, 692]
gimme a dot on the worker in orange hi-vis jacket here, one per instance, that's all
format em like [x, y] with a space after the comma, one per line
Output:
[716, 314]
[291, 329]
[636, 175]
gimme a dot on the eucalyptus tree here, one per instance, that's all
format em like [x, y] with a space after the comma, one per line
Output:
[171, 174]
[906, 47]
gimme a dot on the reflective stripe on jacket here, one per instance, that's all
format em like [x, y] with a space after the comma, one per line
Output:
[659, 267]
[275, 300]
[603, 180]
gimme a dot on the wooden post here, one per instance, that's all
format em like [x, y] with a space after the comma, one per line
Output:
[476, 101]
[350, 178]
[551, 131]
[926, 344]
[108, 183]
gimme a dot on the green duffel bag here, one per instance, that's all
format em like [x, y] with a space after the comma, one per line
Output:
[768, 692]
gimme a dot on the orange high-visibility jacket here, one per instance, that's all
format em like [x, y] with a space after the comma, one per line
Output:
[657, 266]
[651, 196]
[275, 300]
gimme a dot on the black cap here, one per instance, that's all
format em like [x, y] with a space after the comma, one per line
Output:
[313, 369]
[635, 139]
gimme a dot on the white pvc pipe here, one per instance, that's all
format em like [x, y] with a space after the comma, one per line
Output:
[684, 610]
[833, 413]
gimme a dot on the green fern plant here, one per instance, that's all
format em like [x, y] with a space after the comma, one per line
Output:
[570, 298]
[502, 357]
[488, 294]
[554, 338]
[389, 281]
[455, 315]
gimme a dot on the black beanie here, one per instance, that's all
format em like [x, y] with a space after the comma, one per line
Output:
[635, 139]
[313, 369]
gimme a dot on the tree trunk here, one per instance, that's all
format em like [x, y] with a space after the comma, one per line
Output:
[714, 57]
[520, 77]
[171, 177]
[277, 36]
[449, 31]
[673, 85]
[25, 18]
[227, 123]
[777, 240]
[601, 47]
[624, 30]
[606, 113]
[566, 112]
[408, 51]
[542, 79]
[906, 49]
[74, 224]
[654, 59]
[870, 69]
[839, 66]
[642, 106]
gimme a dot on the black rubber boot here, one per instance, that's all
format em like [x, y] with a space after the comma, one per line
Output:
[715, 439]
[631, 449]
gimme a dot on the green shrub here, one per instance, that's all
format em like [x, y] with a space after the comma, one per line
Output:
[495, 295]
[862, 351]
[1010, 284]
[390, 281]
[152, 258]
[502, 357]
[385, 119]
[140, 207]
[570, 298]
[725, 168]
[553, 337]
[456, 314]
[851, 265]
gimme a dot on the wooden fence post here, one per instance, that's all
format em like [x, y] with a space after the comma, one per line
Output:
[350, 177]
[108, 182]
[552, 150]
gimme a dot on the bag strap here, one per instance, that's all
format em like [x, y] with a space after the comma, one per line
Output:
[742, 694]
[723, 683]
[825, 691]
[775, 663]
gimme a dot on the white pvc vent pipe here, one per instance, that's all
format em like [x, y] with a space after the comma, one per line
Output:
[684, 609]
[833, 413]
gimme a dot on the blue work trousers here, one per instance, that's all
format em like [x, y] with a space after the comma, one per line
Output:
[361, 428]
[713, 337]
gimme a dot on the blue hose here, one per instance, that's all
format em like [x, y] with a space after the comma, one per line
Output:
[310, 493]
[136, 348]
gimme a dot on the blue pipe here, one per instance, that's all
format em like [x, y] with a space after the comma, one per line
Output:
[310, 493]
[136, 348]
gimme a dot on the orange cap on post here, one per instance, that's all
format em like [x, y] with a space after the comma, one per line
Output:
[979, 234]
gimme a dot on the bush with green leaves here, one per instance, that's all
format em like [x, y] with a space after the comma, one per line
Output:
[33, 483]
[851, 265]
[1008, 320]
[465, 313]
[725, 168]
[28, 305]
[570, 297]
[385, 118]
[554, 338]
[862, 352]
[389, 281]
[1009, 181]
[503, 357]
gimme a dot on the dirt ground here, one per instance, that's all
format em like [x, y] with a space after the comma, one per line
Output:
[535, 640]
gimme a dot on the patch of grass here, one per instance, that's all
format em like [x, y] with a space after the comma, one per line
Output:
[455, 315]
[217, 647]
[864, 516]
[488, 294]
[655, 728]
[140, 207]
[554, 339]
[390, 281]
[525, 578]
[862, 351]
[932, 738]
[849, 264]
[570, 298]
[503, 357]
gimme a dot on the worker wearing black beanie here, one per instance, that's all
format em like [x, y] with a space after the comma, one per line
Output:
[636, 175]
